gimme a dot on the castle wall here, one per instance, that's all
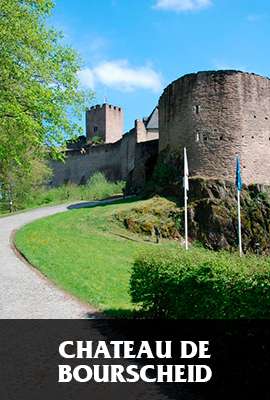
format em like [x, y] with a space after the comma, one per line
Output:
[152, 134]
[141, 131]
[143, 134]
[78, 168]
[127, 153]
[124, 160]
[144, 163]
[218, 115]
[114, 160]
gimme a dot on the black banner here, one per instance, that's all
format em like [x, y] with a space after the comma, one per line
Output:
[30, 359]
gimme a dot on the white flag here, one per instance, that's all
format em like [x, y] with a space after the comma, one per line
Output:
[186, 173]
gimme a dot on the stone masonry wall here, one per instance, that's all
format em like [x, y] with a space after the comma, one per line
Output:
[96, 122]
[114, 123]
[115, 160]
[218, 115]
[143, 134]
[118, 161]
[78, 168]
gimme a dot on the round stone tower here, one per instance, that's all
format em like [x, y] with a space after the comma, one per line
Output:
[218, 115]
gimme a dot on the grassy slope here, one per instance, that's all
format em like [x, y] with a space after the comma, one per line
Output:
[83, 251]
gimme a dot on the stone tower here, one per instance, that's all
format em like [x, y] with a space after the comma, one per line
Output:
[105, 121]
[218, 115]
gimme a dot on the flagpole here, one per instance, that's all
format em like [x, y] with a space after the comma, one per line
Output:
[238, 182]
[239, 224]
[186, 219]
[186, 197]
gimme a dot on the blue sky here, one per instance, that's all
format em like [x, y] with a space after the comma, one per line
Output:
[132, 49]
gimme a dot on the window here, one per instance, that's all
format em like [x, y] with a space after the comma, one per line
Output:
[197, 137]
[197, 109]
[95, 129]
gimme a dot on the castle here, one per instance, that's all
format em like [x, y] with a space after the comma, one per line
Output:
[215, 114]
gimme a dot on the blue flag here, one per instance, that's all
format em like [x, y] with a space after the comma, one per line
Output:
[238, 180]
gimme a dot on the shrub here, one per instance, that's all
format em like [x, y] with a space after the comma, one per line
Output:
[97, 188]
[200, 284]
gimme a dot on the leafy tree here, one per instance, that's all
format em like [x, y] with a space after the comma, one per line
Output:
[24, 184]
[39, 89]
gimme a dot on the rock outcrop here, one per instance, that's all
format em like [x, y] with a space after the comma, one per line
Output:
[213, 215]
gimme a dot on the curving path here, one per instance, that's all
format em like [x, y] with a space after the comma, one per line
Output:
[25, 293]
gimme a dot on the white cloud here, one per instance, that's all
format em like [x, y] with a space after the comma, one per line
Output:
[86, 77]
[118, 74]
[182, 5]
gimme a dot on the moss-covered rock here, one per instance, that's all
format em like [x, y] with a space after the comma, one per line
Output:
[154, 213]
[212, 214]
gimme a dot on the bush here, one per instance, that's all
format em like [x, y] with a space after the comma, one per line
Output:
[200, 284]
[97, 188]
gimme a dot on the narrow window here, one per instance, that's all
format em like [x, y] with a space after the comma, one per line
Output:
[95, 129]
[197, 109]
[221, 137]
[197, 137]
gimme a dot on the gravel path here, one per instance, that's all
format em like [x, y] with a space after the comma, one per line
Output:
[24, 293]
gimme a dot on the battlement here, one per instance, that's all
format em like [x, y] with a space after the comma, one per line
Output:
[104, 106]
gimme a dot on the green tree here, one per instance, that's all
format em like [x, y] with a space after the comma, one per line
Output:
[24, 184]
[39, 89]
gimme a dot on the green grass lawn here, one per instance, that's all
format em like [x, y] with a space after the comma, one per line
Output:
[87, 253]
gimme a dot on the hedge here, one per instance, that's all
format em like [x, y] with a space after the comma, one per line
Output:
[200, 284]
